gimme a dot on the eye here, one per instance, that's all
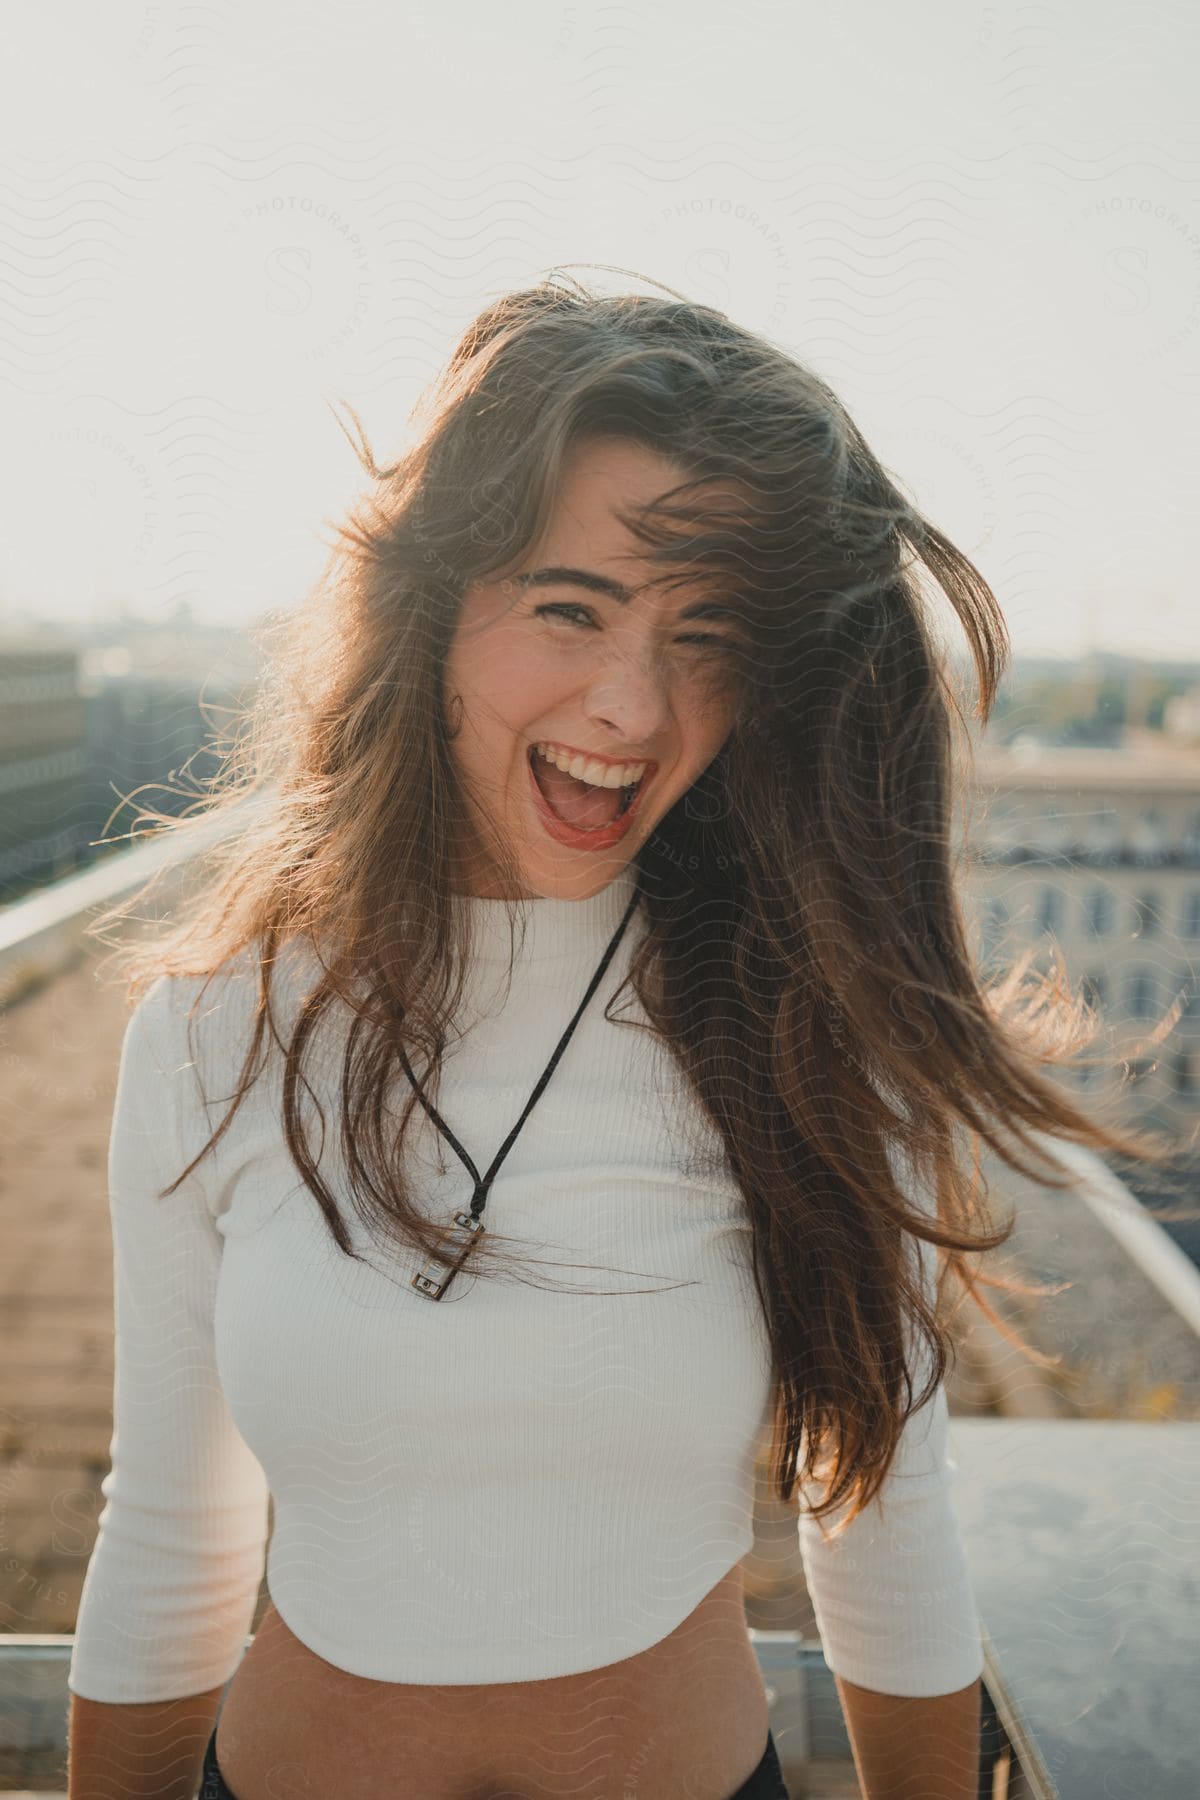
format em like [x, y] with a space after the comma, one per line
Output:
[559, 607]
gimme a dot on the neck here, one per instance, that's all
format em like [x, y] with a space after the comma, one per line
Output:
[546, 927]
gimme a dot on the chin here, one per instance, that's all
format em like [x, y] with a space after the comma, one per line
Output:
[582, 882]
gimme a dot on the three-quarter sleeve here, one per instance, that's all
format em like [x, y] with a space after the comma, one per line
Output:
[174, 1574]
[893, 1597]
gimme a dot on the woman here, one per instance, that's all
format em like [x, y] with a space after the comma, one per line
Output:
[619, 685]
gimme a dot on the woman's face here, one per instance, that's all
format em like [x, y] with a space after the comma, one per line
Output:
[551, 661]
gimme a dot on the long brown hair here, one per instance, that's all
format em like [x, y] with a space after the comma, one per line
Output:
[805, 957]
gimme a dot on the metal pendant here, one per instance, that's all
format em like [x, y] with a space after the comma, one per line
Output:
[437, 1275]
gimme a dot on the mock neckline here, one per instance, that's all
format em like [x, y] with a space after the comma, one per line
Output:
[547, 929]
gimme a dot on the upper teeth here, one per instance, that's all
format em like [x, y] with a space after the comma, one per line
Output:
[587, 768]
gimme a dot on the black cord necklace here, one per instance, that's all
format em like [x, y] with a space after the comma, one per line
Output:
[466, 1230]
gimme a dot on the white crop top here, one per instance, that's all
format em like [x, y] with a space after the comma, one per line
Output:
[513, 1482]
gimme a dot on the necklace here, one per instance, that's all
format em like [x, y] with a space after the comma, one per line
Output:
[466, 1229]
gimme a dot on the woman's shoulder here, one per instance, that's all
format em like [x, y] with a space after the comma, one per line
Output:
[207, 1018]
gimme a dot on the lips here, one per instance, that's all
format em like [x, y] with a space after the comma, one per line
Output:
[604, 836]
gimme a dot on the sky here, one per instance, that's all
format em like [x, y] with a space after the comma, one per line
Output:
[219, 221]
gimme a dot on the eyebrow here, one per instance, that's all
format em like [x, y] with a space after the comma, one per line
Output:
[558, 575]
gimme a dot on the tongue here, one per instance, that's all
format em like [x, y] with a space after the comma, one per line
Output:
[576, 802]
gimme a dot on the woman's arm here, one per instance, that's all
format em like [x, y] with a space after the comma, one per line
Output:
[152, 1751]
[893, 1598]
[914, 1749]
[174, 1574]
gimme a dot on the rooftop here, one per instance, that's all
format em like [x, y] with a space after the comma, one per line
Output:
[1077, 1493]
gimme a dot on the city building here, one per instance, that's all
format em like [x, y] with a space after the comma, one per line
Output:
[1094, 855]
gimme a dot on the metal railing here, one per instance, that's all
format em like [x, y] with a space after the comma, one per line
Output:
[805, 1715]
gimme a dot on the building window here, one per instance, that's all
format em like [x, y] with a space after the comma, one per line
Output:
[1142, 994]
[1186, 1070]
[1147, 915]
[1049, 910]
[1100, 910]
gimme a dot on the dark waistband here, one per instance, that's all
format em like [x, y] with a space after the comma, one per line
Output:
[764, 1783]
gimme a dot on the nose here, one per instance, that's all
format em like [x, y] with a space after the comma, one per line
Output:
[630, 695]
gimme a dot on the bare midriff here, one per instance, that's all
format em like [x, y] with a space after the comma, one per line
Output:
[685, 1719]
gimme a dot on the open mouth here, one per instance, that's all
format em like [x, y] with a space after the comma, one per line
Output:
[580, 805]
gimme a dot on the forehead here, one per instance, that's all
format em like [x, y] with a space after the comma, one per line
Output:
[602, 480]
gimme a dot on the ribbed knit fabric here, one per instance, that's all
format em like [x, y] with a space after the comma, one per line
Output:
[512, 1483]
